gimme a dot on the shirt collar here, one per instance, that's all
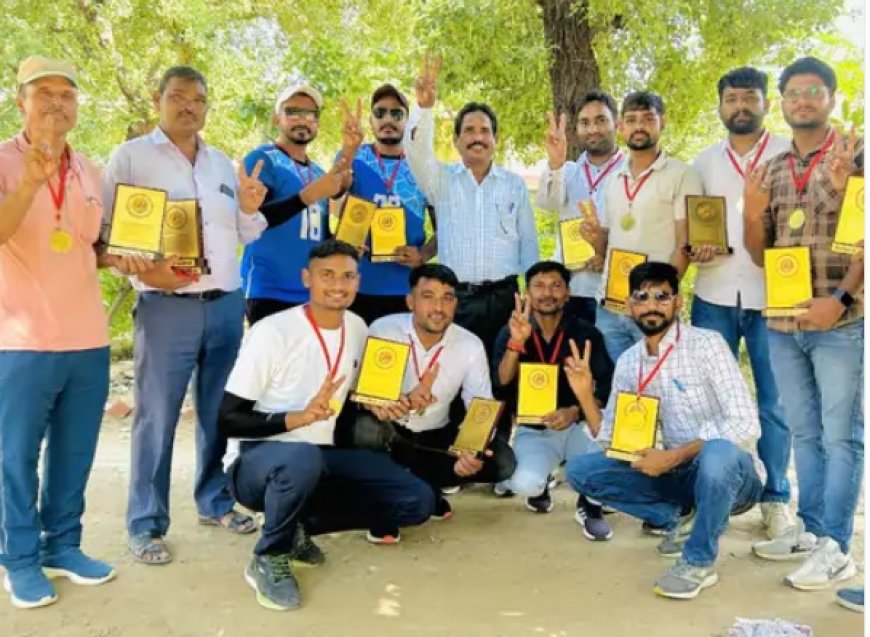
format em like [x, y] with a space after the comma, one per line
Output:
[412, 334]
[658, 164]
[726, 145]
[583, 159]
[670, 338]
[794, 151]
[158, 138]
[494, 171]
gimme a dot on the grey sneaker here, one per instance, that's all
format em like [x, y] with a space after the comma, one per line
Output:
[591, 518]
[794, 545]
[305, 551]
[271, 577]
[684, 581]
[672, 542]
[826, 565]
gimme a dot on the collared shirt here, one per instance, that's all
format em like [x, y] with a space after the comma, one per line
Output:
[656, 208]
[703, 395]
[462, 367]
[561, 191]
[486, 231]
[732, 278]
[153, 161]
[821, 206]
[49, 301]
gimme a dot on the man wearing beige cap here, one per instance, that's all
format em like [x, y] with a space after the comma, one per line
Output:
[54, 338]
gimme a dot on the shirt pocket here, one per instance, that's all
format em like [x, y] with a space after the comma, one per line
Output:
[507, 220]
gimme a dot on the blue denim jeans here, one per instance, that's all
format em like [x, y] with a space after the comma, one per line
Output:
[821, 374]
[619, 331]
[718, 480]
[58, 397]
[540, 451]
[774, 446]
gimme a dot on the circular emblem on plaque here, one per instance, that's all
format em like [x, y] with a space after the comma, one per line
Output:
[624, 267]
[859, 198]
[786, 265]
[483, 414]
[574, 232]
[385, 358]
[357, 213]
[635, 415]
[387, 222]
[538, 380]
[705, 212]
[176, 217]
[139, 206]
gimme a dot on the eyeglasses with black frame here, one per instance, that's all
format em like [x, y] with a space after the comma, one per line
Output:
[302, 113]
[660, 297]
[396, 114]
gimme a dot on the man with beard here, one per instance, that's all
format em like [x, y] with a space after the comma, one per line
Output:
[707, 423]
[282, 400]
[729, 289]
[818, 356]
[644, 208]
[486, 228]
[447, 362]
[296, 205]
[381, 174]
[540, 332]
[564, 185]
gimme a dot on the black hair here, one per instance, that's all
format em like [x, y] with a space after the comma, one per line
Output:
[809, 66]
[643, 101]
[744, 77]
[597, 96]
[437, 271]
[330, 248]
[653, 272]
[475, 107]
[183, 72]
[542, 267]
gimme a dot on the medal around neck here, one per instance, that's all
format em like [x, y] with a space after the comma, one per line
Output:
[628, 221]
[796, 219]
[60, 241]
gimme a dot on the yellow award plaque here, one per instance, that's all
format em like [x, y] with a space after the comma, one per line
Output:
[850, 224]
[137, 221]
[539, 385]
[382, 371]
[388, 233]
[182, 235]
[707, 221]
[355, 221]
[634, 426]
[476, 429]
[620, 266]
[576, 251]
[787, 280]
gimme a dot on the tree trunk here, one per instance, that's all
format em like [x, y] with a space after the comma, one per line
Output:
[573, 67]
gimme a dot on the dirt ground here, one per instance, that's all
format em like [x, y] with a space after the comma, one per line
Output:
[494, 570]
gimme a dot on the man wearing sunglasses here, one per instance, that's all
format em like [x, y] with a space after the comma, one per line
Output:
[381, 174]
[704, 469]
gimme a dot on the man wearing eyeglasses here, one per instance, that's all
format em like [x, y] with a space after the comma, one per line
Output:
[382, 174]
[704, 470]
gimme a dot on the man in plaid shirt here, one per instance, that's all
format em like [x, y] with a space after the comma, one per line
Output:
[817, 357]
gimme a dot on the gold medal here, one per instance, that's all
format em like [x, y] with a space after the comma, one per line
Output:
[627, 222]
[796, 219]
[60, 241]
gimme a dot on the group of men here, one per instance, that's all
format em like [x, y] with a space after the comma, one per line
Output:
[276, 430]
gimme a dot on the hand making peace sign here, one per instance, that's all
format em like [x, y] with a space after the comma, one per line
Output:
[251, 190]
[556, 142]
[577, 369]
[426, 85]
[843, 164]
[351, 128]
[519, 325]
[318, 407]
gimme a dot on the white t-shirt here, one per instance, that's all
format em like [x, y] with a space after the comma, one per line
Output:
[281, 366]
[462, 366]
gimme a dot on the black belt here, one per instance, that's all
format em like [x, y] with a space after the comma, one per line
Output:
[206, 295]
[537, 427]
[487, 286]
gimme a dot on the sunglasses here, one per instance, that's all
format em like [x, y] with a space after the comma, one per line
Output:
[812, 92]
[396, 114]
[660, 297]
[304, 113]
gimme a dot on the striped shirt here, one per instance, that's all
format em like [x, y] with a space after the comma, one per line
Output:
[820, 203]
[486, 231]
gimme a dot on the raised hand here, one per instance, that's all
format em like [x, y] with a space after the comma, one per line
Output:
[577, 369]
[556, 142]
[41, 160]
[756, 196]
[843, 164]
[318, 408]
[426, 85]
[252, 192]
[519, 325]
[421, 396]
[351, 128]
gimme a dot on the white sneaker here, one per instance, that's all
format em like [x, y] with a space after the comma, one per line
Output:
[795, 544]
[826, 565]
[777, 519]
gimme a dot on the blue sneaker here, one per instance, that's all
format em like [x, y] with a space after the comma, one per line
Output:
[78, 567]
[851, 598]
[29, 588]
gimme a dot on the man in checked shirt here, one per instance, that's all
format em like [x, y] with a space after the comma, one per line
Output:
[817, 357]
[705, 470]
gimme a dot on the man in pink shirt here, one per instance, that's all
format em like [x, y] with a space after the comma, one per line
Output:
[54, 339]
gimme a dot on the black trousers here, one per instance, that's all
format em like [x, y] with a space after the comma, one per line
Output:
[486, 308]
[256, 309]
[370, 307]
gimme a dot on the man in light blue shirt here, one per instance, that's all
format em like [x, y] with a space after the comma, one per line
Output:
[486, 228]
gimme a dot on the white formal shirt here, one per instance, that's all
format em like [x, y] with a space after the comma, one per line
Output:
[281, 366]
[153, 161]
[462, 366]
[561, 190]
[731, 277]
[656, 208]
[486, 231]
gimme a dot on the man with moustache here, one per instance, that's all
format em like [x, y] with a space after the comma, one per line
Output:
[381, 174]
[448, 362]
[729, 289]
[707, 427]
[486, 228]
[644, 208]
[286, 392]
[541, 331]
[186, 327]
[564, 185]
[818, 356]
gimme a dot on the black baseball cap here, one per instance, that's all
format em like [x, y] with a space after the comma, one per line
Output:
[388, 90]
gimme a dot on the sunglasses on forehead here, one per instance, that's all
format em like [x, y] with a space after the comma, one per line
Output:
[396, 114]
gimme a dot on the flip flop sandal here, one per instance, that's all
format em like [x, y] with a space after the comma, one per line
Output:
[149, 549]
[238, 523]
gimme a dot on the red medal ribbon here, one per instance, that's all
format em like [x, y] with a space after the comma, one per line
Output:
[382, 169]
[593, 185]
[764, 139]
[332, 369]
[556, 348]
[58, 196]
[631, 194]
[800, 183]
[643, 383]
[417, 364]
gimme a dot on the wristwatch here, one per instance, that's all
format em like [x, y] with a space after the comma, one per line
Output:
[844, 297]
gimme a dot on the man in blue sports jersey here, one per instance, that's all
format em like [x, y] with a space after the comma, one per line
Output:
[381, 174]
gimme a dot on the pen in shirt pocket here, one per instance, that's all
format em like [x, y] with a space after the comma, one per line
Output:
[679, 385]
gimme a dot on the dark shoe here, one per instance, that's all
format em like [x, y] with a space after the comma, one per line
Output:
[540, 503]
[305, 551]
[383, 536]
[443, 510]
[501, 491]
[590, 517]
[271, 577]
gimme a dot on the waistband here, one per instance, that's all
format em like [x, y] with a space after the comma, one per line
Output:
[487, 286]
[204, 296]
